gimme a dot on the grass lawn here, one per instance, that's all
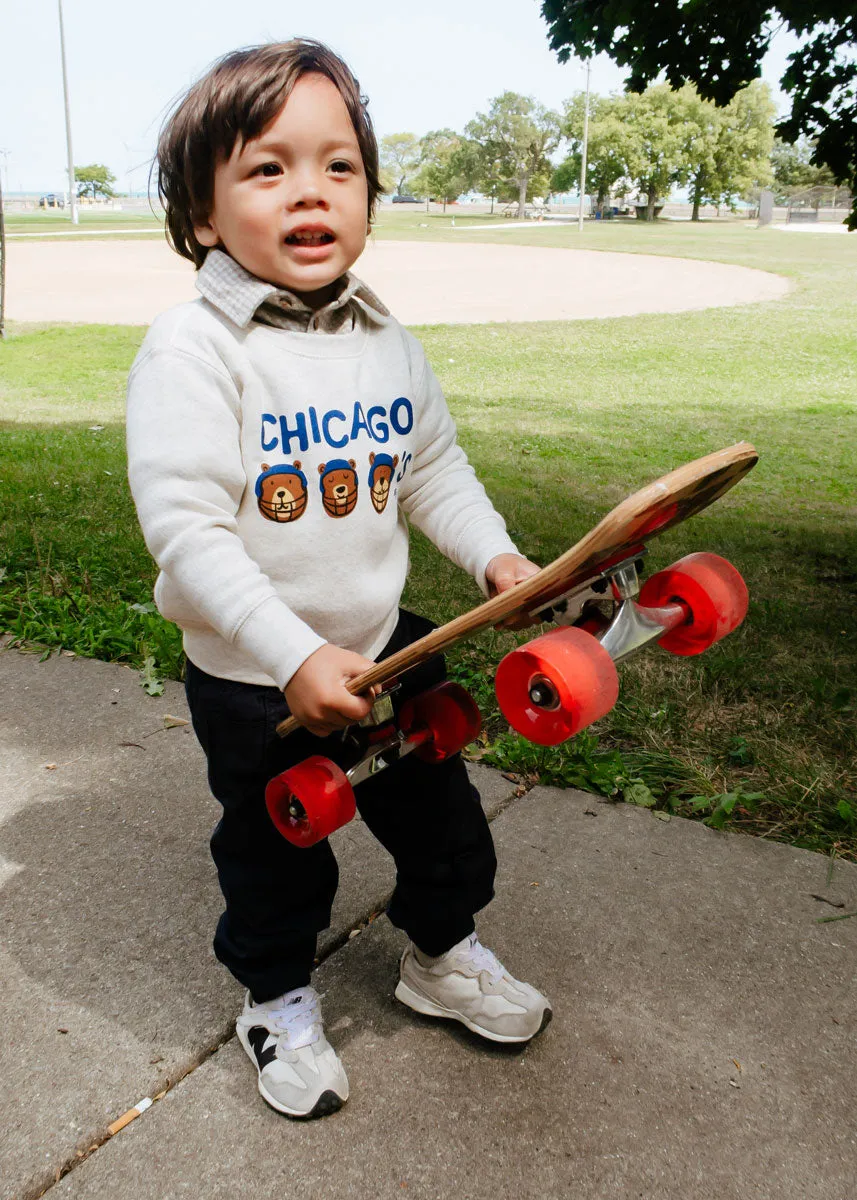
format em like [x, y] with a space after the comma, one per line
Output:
[54, 224]
[561, 421]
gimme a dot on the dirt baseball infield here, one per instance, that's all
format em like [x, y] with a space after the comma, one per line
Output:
[130, 282]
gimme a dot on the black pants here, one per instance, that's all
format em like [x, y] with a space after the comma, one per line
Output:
[278, 896]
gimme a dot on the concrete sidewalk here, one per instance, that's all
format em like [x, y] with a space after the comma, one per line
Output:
[702, 1047]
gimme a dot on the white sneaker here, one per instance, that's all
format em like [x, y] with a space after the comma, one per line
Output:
[299, 1072]
[468, 984]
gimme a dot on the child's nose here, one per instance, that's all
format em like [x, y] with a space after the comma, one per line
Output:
[307, 190]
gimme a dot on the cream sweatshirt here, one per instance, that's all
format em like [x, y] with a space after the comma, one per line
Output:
[275, 473]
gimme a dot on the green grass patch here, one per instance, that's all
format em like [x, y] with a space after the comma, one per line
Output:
[53, 223]
[561, 420]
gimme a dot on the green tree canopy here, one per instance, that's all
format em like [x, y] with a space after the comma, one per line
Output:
[793, 168]
[444, 169]
[656, 143]
[482, 166]
[662, 137]
[607, 147]
[400, 156]
[718, 45]
[517, 135]
[728, 149]
[94, 180]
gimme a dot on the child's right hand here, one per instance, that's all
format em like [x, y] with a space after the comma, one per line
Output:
[317, 695]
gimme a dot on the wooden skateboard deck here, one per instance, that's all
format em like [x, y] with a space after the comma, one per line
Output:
[621, 534]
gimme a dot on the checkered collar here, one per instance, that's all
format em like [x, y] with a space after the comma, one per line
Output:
[238, 295]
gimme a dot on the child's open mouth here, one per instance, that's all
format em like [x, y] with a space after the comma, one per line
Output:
[309, 239]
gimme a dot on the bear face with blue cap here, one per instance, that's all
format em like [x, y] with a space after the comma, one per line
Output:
[281, 492]
[338, 486]
[381, 468]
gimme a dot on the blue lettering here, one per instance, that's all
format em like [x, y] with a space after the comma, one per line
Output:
[359, 422]
[268, 419]
[402, 404]
[298, 432]
[313, 421]
[325, 424]
[379, 430]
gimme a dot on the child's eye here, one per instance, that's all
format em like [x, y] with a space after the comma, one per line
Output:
[269, 169]
[340, 166]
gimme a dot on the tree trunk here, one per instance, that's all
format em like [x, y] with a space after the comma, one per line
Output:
[697, 198]
[492, 203]
[444, 205]
[401, 188]
[522, 195]
[651, 197]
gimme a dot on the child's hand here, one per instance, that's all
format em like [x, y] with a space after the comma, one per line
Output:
[502, 573]
[317, 695]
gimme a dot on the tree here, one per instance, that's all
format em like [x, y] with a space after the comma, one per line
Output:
[482, 167]
[443, 166]
[728, 149]
[606, 157]
[517, 134]
[793, 169]
[387, 180]
[656, 154]
[703, 126]
[743, 159]
[400, 154]
[94, 180]
[719, 46]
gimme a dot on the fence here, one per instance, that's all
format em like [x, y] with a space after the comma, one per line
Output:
[819, 204]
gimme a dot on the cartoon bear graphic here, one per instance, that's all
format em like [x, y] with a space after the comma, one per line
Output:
[338, 485]
[381, 468]
[281, 492]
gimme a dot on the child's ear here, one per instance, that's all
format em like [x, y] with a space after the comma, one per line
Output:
[206, 233]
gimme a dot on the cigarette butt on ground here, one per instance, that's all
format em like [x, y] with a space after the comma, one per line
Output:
[131, 1115]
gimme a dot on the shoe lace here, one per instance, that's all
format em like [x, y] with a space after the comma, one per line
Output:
[482, 958]
[298, 1015]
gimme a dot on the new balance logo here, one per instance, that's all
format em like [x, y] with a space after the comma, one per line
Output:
[257, 1038]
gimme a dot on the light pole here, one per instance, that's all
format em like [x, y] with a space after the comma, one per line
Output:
[585, 146]
[72, 188]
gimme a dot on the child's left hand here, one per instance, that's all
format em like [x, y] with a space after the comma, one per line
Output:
[502, 573]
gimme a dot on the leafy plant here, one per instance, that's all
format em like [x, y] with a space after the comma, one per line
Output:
[722, 806]
[149, 677]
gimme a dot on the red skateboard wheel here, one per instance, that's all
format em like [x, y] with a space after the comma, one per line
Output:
[447, 717]
[309, 801]
[711, 590]
[556, 685]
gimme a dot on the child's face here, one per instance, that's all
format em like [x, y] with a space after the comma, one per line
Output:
[291, 205]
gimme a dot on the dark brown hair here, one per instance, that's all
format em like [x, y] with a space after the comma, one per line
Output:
[235, 101]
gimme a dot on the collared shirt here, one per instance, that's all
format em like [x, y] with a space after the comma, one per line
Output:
[243, 298]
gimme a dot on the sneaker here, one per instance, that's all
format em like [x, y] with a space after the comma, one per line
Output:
[299, 1072]
[468, 984]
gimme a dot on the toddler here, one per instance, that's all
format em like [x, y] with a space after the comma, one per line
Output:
[283, 430]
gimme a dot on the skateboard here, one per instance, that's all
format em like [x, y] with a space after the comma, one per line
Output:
[554, 686]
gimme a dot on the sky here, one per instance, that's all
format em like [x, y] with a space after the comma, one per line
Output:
[422, 67]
